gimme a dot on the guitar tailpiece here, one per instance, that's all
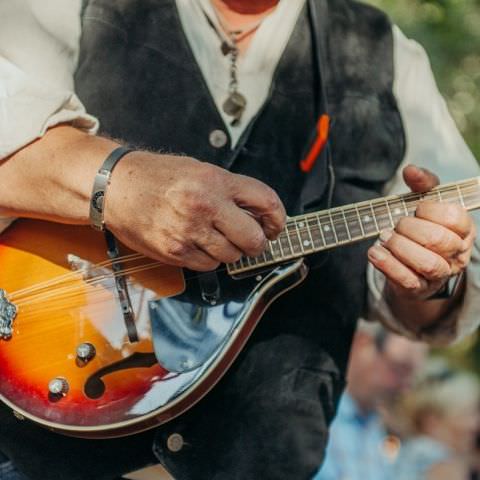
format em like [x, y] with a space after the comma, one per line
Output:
[8, 312]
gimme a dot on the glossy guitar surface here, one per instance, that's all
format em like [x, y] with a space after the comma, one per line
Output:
[69, 363]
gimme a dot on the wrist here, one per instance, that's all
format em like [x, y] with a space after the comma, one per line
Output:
[101, 184]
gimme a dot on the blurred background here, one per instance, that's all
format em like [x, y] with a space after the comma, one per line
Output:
[450, 32]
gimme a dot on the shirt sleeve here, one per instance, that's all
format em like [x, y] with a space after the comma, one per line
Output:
[39, 44]
[433, 142]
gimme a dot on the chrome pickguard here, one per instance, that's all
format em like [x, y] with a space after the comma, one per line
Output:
[188, 336]
[8, 312]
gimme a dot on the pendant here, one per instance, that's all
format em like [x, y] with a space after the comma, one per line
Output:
[226, 48]
[234, 106]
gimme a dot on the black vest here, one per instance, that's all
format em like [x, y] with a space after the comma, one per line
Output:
[137, 74]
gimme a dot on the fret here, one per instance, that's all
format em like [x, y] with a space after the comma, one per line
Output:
[315, 232]
[354, 223]
[367, 217]
[305, 236]
[334, 230]
[268, 254]
[346, 224]
[237, 265]
[374, 217]
[411, 204]
[328, 234]
[404, 206]
[354, 228]
[321, 229]
[286, 245]
[382, 216]
[460, 196]
[294, 237]
[359, 220]
[439, 194]
[340, 227]
[275, 249]
[396, 209]
[389, 214]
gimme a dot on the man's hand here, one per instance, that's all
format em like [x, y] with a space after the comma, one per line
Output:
[174, 209]
[423, 251]
[188, 213]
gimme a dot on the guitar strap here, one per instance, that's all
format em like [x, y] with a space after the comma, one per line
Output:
[121, 286]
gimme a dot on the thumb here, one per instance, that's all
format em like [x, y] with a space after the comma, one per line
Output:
[419, 179]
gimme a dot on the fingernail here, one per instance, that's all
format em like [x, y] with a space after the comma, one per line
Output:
[377, 254]
[385, 236]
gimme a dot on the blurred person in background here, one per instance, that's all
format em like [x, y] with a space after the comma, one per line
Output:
[382, 366]
[443, 419]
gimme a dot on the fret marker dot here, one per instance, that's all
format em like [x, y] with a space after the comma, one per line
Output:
[397, 211]
[306, 243]
[301, 224]
[366, 218]
[326, 228]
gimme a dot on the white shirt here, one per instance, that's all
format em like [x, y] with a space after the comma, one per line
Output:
[39, 43]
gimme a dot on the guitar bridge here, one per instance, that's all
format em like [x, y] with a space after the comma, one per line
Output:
[8, 312]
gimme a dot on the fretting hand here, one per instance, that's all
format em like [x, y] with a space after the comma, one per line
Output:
[422, 252]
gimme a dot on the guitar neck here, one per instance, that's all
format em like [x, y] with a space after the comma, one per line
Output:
[318, 231]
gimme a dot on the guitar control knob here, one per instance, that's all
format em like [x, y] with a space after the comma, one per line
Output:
[85, 352]
[58, 386]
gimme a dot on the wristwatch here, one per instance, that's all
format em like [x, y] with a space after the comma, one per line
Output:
[449, 289]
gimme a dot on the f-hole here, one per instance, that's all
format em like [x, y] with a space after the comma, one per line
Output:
[95, 386]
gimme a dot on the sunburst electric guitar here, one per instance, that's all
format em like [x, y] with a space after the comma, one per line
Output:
[98, 347]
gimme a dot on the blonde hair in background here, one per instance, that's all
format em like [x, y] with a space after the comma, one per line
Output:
[439, 390]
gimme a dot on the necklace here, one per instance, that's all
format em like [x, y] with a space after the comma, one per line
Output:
[236, 103]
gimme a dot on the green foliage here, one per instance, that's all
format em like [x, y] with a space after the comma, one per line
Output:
[450, 32]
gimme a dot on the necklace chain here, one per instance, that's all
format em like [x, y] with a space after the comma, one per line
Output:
[236, 103]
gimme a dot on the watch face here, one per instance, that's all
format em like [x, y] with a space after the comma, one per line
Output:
[97, 201]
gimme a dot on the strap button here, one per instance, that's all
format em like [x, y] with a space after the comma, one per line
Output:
[218, 138]
[175, 442]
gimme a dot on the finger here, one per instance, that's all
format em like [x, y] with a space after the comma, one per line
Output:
[454, 217]
[395, 271]
[241, 230]
[218, 247]
[419, 179]
[422, 261]
[263, 202]
[177, 252]
[432, 236]
[199, 261]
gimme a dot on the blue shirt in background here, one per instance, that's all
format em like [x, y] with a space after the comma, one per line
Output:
[355, 450]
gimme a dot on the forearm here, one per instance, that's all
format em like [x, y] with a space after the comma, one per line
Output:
[52, 178]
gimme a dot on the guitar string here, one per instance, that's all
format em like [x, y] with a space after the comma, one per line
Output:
[106, 276]
[80, 290]
[293, 223]
[78, 273]
[36, 314]
[80, 285]
[286, 233]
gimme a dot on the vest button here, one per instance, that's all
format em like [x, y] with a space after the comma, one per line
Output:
[175, 442]
[218, 138]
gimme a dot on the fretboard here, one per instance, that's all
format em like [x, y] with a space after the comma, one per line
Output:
[314, 232]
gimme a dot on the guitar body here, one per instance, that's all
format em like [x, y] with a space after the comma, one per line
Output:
[70, 363]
